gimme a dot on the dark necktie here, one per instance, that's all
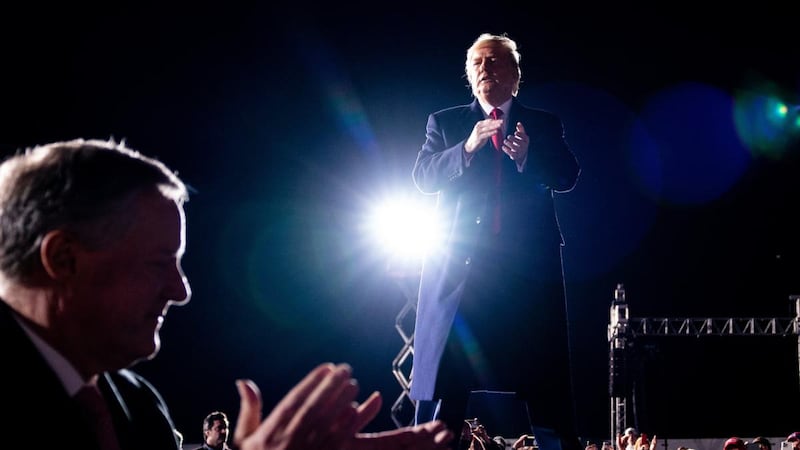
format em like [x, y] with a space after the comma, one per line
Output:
[98, 415]
[497, 140]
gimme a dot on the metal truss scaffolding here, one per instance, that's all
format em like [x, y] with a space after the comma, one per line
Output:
[401, 365]
[622, 329]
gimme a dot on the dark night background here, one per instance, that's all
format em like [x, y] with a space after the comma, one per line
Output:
[290, 121]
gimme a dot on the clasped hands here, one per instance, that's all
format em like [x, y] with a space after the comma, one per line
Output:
[321, 412]
[514, 145]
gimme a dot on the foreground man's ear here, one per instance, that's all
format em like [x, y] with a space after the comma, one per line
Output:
[57, 253]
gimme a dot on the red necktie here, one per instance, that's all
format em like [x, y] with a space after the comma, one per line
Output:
[98, 415]
[497, 140]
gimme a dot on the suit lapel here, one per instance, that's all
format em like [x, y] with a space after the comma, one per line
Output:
[475, 115]
[120, 410]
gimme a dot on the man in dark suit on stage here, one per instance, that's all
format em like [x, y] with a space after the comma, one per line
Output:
[492, 309]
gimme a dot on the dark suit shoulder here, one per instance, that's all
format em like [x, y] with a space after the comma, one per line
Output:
[456, 117]
[130, 382]
[452, 110]
[132, 378]
[146, 411]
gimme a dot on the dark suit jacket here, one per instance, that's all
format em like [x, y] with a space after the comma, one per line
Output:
[465, 196]
[38, 413]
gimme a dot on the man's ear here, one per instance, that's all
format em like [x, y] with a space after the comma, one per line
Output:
[58, 254]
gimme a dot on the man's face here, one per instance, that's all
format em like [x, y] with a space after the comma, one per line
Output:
[492, 73]
[120, 293]
[217, 434]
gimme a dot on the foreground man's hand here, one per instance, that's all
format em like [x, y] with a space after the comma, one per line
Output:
[321, 412]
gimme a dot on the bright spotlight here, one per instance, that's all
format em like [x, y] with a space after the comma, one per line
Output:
[405, 229]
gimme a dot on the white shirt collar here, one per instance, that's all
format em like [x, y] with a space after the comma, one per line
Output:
[487, 108]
